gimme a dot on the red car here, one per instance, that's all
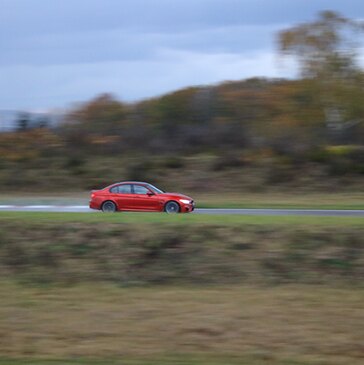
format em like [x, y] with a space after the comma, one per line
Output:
[139, 196]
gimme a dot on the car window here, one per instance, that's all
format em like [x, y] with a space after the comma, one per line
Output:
[114, 189]
[124, 189]
[155, 189]
[138, 189]
[121, 189]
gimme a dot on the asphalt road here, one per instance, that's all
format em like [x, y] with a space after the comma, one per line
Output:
[275, 212]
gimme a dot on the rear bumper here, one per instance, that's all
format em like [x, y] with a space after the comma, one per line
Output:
[93, 205]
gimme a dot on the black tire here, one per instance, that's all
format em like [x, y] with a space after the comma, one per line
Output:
[172, 207]
[108, 207]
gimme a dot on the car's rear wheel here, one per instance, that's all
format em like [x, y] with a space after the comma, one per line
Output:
[172, 207]
[108, 207]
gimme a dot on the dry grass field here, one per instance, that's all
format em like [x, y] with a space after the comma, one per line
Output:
[182, 325]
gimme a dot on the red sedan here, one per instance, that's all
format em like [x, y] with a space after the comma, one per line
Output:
[139, 196]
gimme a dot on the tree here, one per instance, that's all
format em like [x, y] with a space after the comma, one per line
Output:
[326, 50]
[325, 47]
[97, 123]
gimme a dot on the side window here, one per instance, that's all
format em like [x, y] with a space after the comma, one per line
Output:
[121, 189]
[114, 189]
[138, 189]
[124, 189]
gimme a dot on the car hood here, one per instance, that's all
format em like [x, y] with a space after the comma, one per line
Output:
[176, 196]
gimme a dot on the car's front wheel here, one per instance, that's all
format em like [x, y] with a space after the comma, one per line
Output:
[172, 207]
[108, 207]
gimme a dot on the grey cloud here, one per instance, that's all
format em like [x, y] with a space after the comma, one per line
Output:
[40, 16]
[114, 45]
[55, 85]
[53, 52]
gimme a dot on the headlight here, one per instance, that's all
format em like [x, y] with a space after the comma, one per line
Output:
[185, 201]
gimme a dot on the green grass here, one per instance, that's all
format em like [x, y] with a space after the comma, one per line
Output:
[159, 218]
[299, 200]
[278, 205]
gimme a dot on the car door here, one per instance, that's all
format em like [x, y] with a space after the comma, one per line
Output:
[145, 199]
[123, 196]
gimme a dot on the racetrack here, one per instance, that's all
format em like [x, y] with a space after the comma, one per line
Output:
[221, 211]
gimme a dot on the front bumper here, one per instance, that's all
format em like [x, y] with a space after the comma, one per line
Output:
[188, 208]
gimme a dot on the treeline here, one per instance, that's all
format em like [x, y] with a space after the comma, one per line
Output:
[279, 115]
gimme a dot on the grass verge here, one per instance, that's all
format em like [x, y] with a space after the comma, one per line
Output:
[181, 219]
[300, 200]
[147, 249]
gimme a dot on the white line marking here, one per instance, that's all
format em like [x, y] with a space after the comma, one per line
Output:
[76, 206]
[38, 206]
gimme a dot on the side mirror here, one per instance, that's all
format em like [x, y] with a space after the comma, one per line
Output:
[149, 193]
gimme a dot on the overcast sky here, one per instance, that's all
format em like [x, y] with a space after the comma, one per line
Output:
[57, 52]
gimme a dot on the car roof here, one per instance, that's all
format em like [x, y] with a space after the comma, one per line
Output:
[130, 182]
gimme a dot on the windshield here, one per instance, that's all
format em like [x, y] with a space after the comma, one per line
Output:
[156, 190]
